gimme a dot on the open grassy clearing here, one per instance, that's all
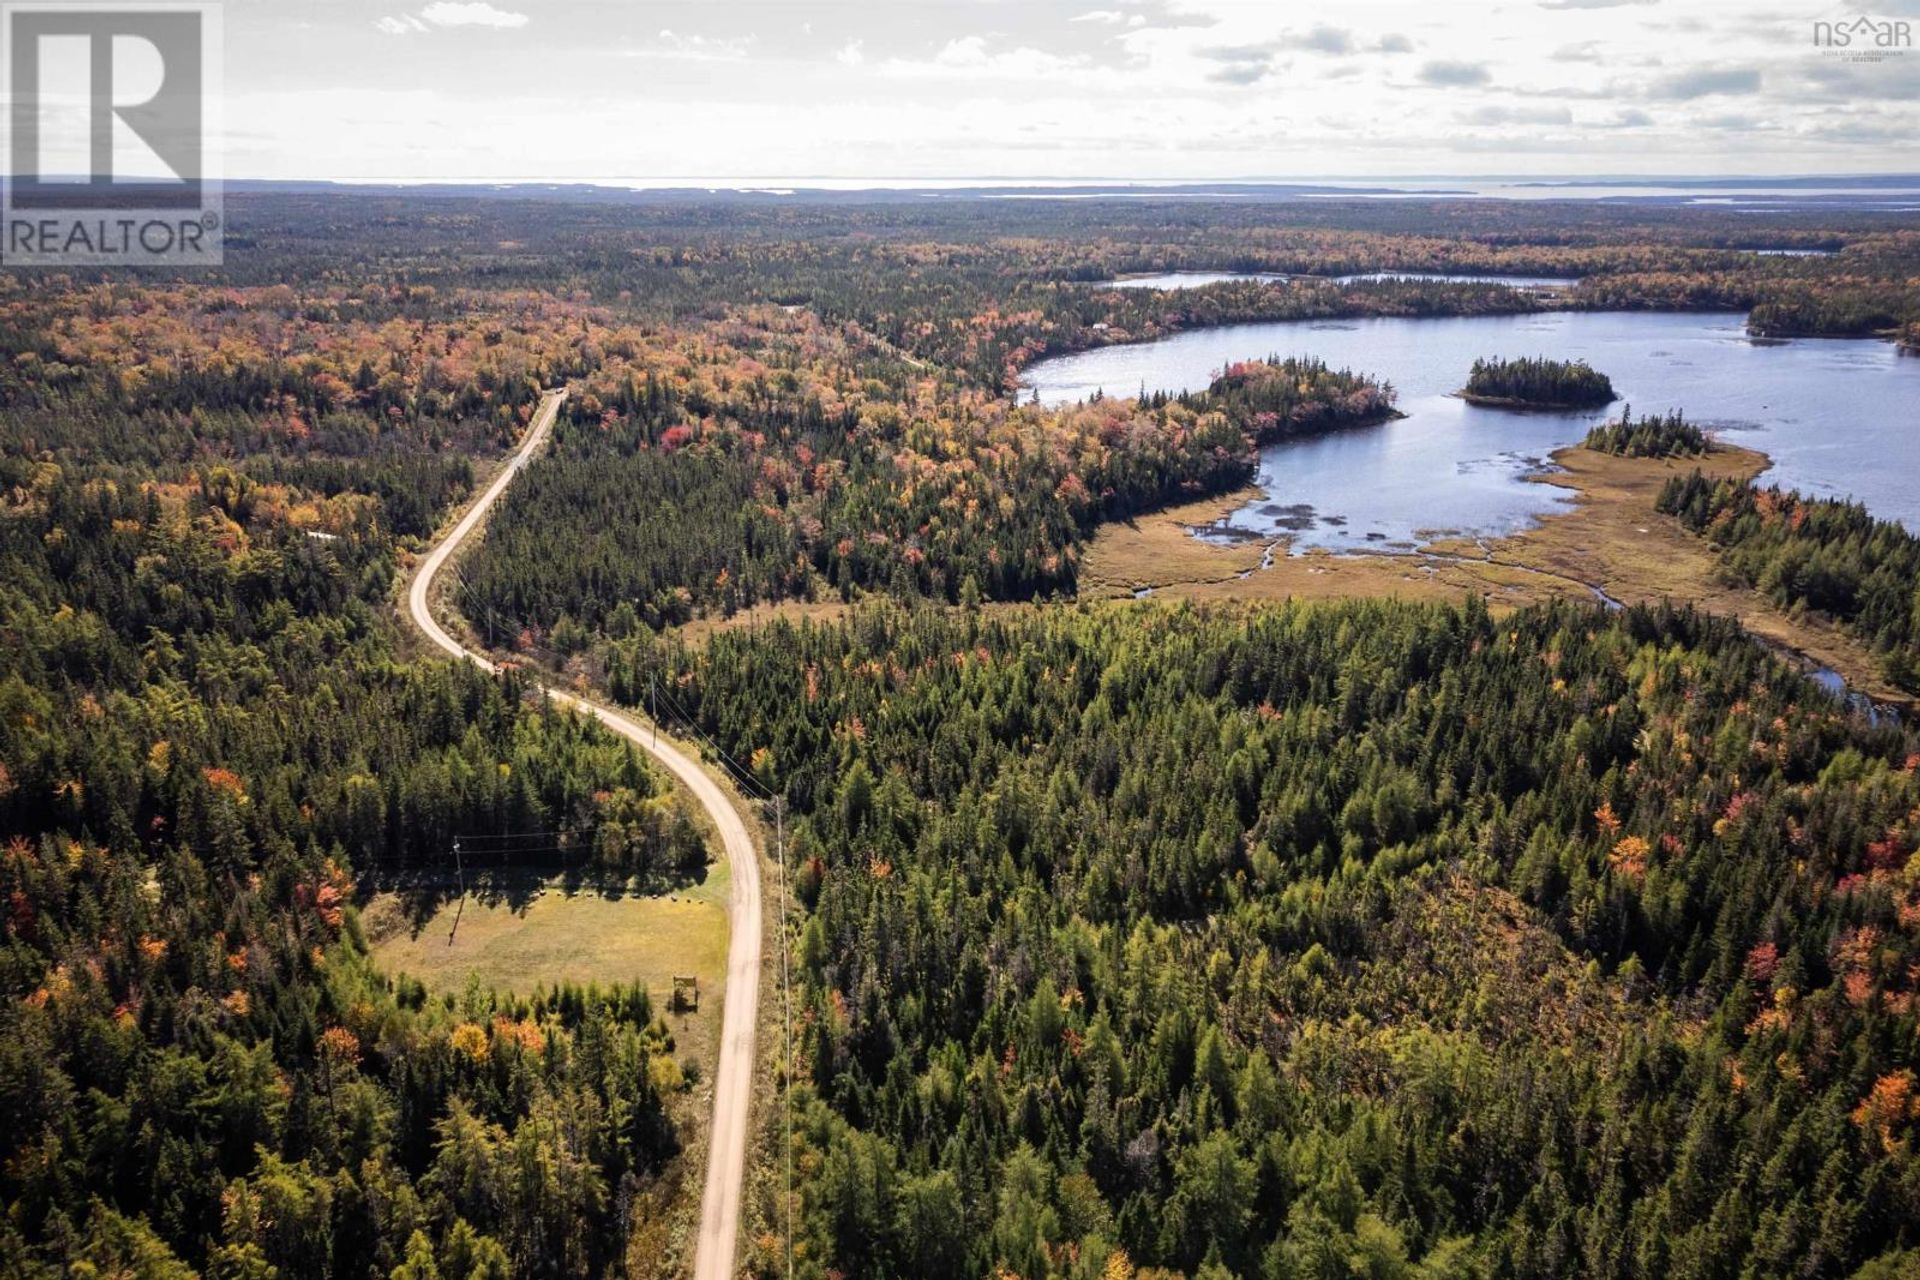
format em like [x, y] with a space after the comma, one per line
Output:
[701, 629]
[550, 933]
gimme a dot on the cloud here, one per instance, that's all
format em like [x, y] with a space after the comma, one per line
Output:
[1517, 115]
[1704, 82]
[1592, 4]
[1857, 82]
[1325, 39]
[1860, 131]
[699, 48]
[1631, 118]
[850, 55]
[1739, 121]
[1111, 18]
[1581, 51]
[472, 13]
[404, 25]
[1447, 73]
[1393, 42]
[972, 58]
[1241, 73]
[1243, 63]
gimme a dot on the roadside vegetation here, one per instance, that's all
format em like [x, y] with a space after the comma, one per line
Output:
[210, 747]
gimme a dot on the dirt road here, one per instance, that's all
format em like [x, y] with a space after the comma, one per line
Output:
[733, 1082]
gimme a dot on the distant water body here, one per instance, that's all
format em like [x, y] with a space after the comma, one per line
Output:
[1746, 194]
[1195, 279]
[1840, 417]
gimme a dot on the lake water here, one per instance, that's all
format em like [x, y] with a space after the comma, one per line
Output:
[1194, 279]
[1185, 279]
[1514, 282]
[1841, 418]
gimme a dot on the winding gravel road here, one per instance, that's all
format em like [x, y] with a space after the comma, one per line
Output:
[715, 1250]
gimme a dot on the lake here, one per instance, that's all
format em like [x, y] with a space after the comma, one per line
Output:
[1840, 417]
[1184, 279]
[1512, 282]
[1195, 279]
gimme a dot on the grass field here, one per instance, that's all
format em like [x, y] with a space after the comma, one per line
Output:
[548, 934]
[700, 630]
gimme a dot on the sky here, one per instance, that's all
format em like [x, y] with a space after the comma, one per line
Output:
[1031, 89]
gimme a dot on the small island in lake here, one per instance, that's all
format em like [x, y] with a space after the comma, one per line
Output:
[1668, 436]
[1537, 383]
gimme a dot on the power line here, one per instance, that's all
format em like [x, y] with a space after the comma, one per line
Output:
[735, 770]
[786, 1001]
[741, 776]
[745, 778]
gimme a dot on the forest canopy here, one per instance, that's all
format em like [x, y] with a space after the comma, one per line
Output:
[1254, 941]
[210, 743]
[1306, 941]
[1535, 382]
[1814, 553]
[1667, 435]
[759, 464]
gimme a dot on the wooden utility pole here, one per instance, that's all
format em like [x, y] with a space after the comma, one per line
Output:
[461, 875]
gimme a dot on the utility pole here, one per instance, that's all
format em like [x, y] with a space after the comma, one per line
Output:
[461, 875]
[653, 707]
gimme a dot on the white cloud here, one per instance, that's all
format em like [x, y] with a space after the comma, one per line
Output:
[471, 13]
[1196, 88]
[1325, 39]
[971, 58]
[1111, 18]
[1452, 73]
[697, 48]
[404, 25]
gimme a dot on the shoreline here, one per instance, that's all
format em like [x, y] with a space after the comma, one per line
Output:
[1610, 544]
[1517, 405]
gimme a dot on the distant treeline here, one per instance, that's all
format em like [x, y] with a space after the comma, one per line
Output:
[981, 287]
[1855, 312]
[1667, 436]
[1537, 382]
[1815, 553]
